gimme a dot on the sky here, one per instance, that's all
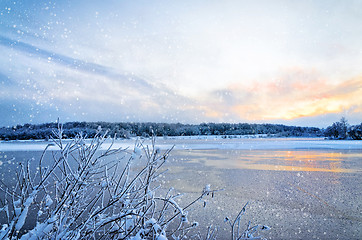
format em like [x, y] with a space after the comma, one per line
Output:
[190, 61]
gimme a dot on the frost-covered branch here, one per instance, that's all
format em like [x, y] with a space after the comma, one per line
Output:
[84, 192]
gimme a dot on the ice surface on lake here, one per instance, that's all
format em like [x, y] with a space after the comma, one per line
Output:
[206, 142]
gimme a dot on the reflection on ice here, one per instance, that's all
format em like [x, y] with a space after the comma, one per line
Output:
[279, 160]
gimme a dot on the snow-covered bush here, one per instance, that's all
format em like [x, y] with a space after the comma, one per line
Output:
[88, 193]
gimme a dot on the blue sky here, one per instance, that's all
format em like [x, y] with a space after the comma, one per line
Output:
[291, 62]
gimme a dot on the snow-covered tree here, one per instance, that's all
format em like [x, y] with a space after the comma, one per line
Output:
[338, 130]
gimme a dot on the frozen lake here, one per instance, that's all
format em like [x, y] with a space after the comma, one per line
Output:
[301, 188]
[206, 142]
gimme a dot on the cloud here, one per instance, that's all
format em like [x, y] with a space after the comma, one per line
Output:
[70, 63]
[75, 89]
[79, 90]
[294, 94]
[183, 61]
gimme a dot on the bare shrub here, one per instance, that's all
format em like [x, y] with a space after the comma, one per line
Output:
[83, 193]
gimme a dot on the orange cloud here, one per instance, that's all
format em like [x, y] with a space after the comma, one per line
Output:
[293, 95]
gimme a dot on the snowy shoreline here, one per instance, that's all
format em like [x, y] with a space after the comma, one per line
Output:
[203, 142]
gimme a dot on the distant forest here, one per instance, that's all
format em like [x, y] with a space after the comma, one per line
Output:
[128, 129]
[339, 130]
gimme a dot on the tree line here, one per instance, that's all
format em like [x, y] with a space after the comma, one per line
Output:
[146, 129]
[338, 130]
[342, 130]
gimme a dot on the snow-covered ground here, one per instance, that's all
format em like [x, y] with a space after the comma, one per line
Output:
[206, 142]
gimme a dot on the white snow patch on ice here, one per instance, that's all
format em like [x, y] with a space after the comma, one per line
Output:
[205, 142]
